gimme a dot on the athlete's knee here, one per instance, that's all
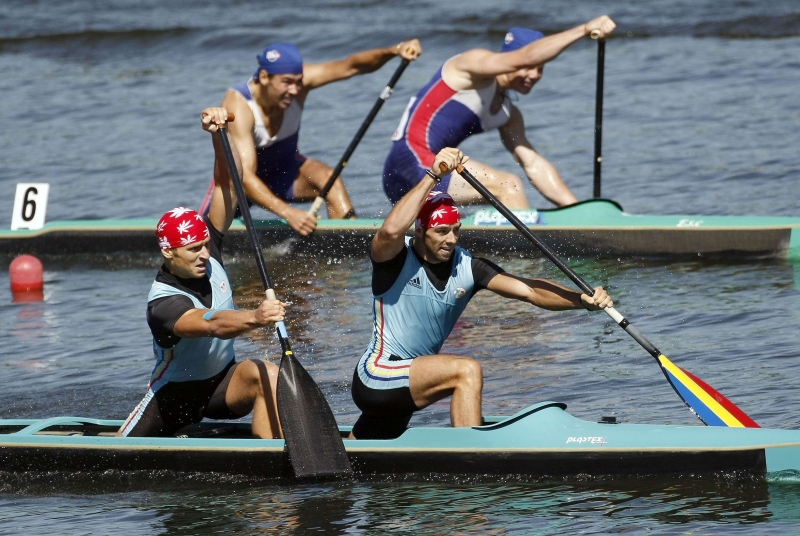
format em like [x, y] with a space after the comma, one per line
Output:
[470, 373]
[250, 376]
[512, 184]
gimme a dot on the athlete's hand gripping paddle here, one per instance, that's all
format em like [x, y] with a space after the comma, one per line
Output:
[385, 94]
[313, 441]
[710, 406]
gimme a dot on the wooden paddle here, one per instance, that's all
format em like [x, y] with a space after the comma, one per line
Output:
[385, 94]
[710, 406]
[312, 436]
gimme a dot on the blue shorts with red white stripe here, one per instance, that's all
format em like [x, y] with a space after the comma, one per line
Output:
[402, 171]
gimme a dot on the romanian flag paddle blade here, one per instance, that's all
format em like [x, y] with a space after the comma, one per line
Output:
[706, 402]
[710, 407]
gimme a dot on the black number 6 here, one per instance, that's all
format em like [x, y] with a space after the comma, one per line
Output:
[29, 203]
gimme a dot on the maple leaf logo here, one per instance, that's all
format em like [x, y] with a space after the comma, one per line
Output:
[438, 213]
[178, 212]
[184, 227]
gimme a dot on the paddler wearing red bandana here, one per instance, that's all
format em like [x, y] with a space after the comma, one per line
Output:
[421, 285]
[194, 321]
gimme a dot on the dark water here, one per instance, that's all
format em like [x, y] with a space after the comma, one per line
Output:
[101, 100]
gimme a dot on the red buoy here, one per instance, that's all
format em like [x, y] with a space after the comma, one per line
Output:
[25, 273]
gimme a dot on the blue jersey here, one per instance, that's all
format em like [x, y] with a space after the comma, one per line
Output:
[278, 160]
[195, 358]
[413, 318]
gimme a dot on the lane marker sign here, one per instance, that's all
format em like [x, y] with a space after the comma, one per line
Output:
[30, 205]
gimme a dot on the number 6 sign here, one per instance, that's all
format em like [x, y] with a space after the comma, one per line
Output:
[30, 205]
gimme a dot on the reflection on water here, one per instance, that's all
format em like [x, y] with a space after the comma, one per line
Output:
[187, 506]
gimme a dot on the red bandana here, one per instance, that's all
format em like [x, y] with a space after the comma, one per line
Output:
[438, 209]
[180, 227]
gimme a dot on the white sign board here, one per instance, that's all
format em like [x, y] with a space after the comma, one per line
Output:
[30, 205]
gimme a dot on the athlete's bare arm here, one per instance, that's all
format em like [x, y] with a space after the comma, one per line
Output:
[223, 201]
[241, 132]
[547, 294]
[228, 324]
[476, 67]
[318, 74]
[540, 172]
[390, 238]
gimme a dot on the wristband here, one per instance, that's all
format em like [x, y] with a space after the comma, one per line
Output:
[432, 175]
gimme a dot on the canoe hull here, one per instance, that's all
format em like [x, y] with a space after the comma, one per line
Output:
[542, 441]
[590, 228]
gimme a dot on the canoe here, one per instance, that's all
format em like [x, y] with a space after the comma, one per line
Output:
[596, 227]
[540, 441]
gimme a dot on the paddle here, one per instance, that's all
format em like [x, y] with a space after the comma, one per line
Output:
[598, 111]
[711, 407]
[385, 94]
[312, 437]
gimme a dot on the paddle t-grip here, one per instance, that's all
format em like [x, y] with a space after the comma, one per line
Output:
[231, 117]
[595, 34]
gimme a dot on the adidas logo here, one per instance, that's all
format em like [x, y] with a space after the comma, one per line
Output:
[415, 283]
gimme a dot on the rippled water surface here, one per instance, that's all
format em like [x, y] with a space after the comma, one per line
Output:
[701, 118]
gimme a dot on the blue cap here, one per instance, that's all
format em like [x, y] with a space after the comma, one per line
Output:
[280, 58]
[517, 38]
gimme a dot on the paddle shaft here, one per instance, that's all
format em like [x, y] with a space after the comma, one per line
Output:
[245, 210]
[314, 450]
[598, 115]
[385, 94]
[550, 254]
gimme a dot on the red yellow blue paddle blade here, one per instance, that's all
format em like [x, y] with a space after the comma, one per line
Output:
[707, 403]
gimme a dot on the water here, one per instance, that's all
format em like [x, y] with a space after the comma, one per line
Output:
[701, 114]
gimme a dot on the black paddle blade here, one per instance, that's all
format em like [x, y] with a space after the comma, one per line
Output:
[312, 436]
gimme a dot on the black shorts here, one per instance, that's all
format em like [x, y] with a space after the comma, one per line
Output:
[178, 404]
[384, 412]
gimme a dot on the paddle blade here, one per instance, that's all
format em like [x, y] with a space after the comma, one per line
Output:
[706, 402]
[312, 436]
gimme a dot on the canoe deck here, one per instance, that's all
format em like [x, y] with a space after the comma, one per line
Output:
[589, 228]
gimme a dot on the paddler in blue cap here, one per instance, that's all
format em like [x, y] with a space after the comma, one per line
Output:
[268, 109]
[469, 95]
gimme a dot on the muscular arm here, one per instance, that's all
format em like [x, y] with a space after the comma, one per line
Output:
[318, 74]
[547, 294]
[390, 238]
[223, 202]
[228, 324]
[476, 67]
[540, 172]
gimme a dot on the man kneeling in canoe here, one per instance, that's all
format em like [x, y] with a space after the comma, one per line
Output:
[193, 320]
[420, 287]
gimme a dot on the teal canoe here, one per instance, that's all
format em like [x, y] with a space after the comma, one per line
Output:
[589, 228]
[540, 441]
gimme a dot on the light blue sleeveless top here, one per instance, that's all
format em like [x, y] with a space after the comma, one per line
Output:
[413, 318]
[195, 358]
